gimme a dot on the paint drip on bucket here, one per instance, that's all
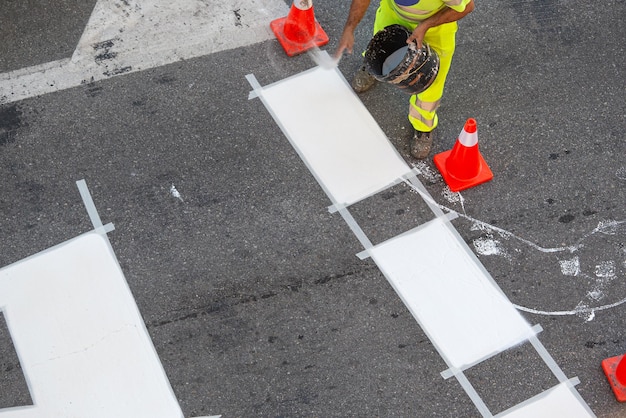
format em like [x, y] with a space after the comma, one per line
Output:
[389, 59]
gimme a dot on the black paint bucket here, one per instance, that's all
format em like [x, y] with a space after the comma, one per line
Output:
[390, 59]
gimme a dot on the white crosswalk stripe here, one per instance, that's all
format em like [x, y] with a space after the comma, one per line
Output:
[134, 35]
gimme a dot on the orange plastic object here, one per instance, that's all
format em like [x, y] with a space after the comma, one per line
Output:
[463, 166]
[299, 31]
[615, 371]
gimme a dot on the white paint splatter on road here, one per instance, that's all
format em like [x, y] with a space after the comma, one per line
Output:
[606, 270]
[489, 246]
[175, 193]
[426, 172]
[570, 267]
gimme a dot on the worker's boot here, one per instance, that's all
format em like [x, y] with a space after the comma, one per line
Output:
[420, 144]
[363, 80]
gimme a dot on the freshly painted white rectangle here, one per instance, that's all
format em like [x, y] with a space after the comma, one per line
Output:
[464, 313]
[81, 342]
[334, 134]
[560, 401]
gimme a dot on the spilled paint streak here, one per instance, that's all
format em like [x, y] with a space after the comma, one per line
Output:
[581, 309]
[504, 233]
[603, 270]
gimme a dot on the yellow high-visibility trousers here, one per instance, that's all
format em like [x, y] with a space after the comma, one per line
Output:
[423, 106]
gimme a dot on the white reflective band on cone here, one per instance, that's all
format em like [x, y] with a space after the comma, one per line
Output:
[467, 139]
[303, 4]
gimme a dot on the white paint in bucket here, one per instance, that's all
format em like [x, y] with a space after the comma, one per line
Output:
[394, 60]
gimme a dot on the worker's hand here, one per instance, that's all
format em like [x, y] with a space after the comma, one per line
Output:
[418, 35]
[346, 43]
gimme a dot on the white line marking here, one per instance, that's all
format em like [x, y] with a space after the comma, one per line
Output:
[80, 339]
[445, 287]
[560, 401]
[129, 36]
[347, 126]
[455, 301]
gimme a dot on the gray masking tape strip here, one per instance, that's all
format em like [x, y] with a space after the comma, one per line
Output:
[92, 211]
[473, 395]
[89, 205]
[356, 229]
[573, 382]
[548, 359]
[446, 374]
[449, 216]
[336, 207]
[417, 185]
[258, 92]
[256, 87]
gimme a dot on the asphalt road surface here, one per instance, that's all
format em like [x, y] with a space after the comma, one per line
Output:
[250, 289]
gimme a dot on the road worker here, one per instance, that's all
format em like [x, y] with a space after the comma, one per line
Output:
[433, 22]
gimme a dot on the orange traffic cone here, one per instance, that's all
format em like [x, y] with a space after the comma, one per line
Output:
[463, 166]
[299, 31]
[615, 371]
